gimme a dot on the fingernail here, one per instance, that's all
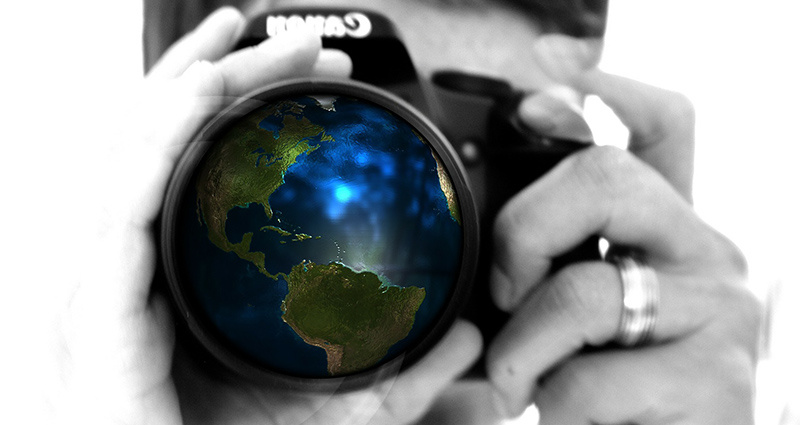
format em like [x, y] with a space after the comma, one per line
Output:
[556, 112]
[536, 115]
[223, 17]
[566, 94]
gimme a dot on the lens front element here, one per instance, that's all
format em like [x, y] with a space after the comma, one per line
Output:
[317, 235]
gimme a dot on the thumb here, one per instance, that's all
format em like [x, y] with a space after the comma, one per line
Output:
[661, 122]
[562, 57]
[557, 110]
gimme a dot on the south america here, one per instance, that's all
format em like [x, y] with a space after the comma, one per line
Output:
[351, 315]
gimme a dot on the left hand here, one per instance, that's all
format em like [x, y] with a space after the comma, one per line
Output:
[700, 364]
[118, 350]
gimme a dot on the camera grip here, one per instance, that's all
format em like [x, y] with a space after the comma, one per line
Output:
[506, 172]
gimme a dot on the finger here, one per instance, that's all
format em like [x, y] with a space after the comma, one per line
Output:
[210, 41]
[402, 400]
[562, 57]
[466, 402]
[406, 398]
[207, 86]
[600, 191]
[417, 388]
[581, 305]
[333, 63]
[578, 306]
[189, 101]
[675, 384]
[555, 112]
[291, 54]
[661, 123]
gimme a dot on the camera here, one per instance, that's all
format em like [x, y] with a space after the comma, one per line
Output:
[323, 234]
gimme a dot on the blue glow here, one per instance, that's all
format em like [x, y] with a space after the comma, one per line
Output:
[343, 193]
[362, 159]
[387, 165]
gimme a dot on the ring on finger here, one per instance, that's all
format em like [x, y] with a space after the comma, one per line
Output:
[640, 300]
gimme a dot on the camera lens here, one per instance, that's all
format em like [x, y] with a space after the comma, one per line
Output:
[318, 230]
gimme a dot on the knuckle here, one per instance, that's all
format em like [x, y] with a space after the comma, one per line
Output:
[679, 107]
[567, 292]
[677, 111]
[575, 298]
[509, 232]
[729, 259]
[604, 167]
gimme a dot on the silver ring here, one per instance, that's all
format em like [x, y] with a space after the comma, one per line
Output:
[640, 300]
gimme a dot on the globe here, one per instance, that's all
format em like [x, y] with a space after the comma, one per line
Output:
[319, 236]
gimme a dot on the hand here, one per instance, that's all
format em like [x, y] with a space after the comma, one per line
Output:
[118, 349]
[556, 351]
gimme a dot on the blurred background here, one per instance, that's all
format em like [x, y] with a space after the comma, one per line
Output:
[737, 60]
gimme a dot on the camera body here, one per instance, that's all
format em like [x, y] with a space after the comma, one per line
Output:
[477, 114]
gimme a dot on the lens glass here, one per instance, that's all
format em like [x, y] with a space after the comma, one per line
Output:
[319, 236]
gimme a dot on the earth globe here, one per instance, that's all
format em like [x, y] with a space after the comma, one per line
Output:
[316, 232]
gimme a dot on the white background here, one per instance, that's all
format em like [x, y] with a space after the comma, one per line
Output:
[737, 60]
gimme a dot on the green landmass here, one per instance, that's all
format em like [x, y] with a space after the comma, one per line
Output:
[246, 167]
[277, 230]
[447, 189]
[445, 183]
[298, 237]
[352, 315]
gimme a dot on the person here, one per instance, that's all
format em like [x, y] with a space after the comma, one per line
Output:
[557, 351]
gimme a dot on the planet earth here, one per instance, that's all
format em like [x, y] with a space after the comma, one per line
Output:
[320, 236]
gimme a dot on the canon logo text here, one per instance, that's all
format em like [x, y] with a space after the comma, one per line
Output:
[353, 24]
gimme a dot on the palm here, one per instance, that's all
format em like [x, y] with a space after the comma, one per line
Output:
[212, 396]
[218, 399]
[171, 386]
[185, 391]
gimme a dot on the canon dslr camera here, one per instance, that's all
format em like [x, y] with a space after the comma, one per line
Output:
[324, 233]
